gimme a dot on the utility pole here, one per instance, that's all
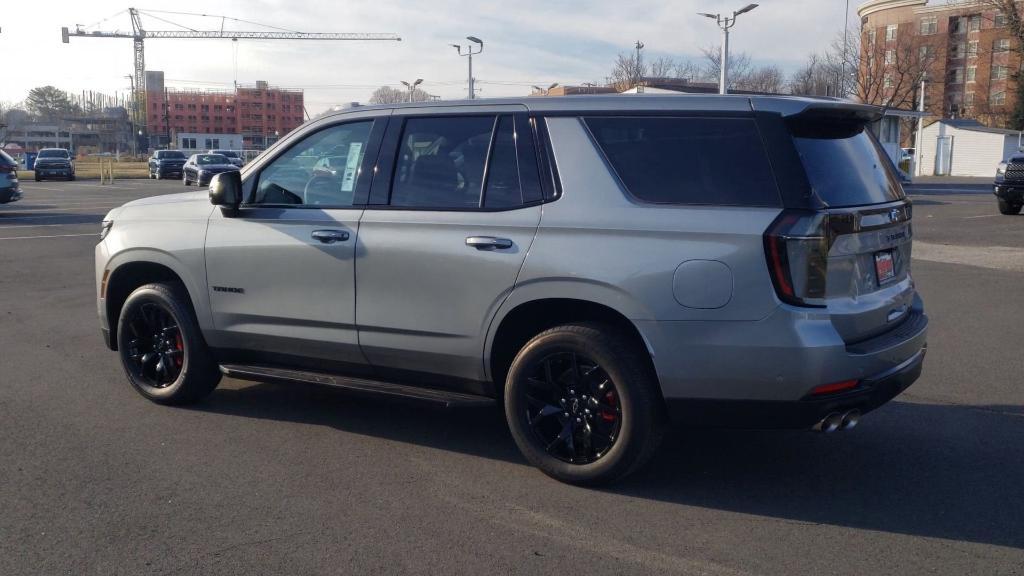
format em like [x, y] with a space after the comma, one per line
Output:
[725, 23]
[639, 63]
[470, 53]
[916, 171]
[167, 119]
[846, 42]
[412, 87]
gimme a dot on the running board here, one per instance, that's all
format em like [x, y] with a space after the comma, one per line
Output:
[446, 398]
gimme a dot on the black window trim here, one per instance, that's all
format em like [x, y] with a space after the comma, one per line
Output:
[383, 181]
[681, 115]
[377, 129]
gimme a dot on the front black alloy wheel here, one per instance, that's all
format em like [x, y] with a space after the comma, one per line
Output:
[583, 405]
[156, 351]
[161, 346]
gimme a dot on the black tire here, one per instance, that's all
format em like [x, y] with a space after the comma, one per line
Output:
[1009, 209]
[38, 179]
[71, 178]
[593, 349]
[190, 372]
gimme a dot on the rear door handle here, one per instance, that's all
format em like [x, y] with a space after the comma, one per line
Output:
[488, 243]
[330, 236]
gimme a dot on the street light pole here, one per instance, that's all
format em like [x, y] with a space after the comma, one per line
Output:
[725, 23]
[470, 53]
[412, 87]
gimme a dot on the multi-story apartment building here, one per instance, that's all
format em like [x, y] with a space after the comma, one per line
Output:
[260, 114]
[964, 51]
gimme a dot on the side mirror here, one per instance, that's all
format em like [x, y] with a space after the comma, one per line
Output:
[226, 189]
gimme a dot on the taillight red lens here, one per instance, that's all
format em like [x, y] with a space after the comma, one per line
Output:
[796, 247]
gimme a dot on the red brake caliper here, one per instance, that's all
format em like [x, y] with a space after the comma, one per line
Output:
[609, 399]
[180, 346]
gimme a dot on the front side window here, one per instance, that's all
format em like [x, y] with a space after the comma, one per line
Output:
[712, 161]
[322, 169]
[441, 162]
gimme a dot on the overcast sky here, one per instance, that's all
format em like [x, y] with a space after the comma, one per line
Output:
[526, 42]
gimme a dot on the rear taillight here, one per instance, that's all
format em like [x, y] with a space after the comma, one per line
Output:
[796, 246]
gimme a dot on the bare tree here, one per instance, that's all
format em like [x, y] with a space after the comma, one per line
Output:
[767, 79]
[389, 95]
[739, 66]
[628, 71]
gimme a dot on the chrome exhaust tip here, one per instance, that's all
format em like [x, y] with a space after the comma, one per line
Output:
[850, 420]
[830, 423]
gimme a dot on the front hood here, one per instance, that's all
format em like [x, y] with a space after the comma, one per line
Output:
[201, 196]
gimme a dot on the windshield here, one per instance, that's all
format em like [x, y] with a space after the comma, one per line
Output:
[53, 153]
[170, 154]
[227, 153]
[845, 166]
[207, 159]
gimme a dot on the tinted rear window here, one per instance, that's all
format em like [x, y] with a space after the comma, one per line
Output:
[845, 166]
[688, 160]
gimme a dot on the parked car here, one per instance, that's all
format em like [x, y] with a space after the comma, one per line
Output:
[231, 155]
[166, 164]
[10, 189]
[599, 267]
[1009, 185]
[200, 168]
[54, 162]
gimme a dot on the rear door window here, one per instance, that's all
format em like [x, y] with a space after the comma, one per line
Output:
[671, 160]
[845, 165]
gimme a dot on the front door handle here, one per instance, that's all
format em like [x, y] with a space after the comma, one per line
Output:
[488, 243]
[330, 236]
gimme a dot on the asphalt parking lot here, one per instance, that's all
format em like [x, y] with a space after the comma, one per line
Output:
[272, 479]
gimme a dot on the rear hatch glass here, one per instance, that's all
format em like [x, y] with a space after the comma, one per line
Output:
[868, 289]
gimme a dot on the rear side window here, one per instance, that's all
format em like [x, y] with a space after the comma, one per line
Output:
[844, 164]
[688, 160]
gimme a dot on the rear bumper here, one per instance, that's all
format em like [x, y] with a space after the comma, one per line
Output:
[1010, 192]
[869, 394]
[710, 371]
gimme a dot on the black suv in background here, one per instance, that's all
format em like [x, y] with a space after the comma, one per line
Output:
[1009, 185]
[166, 164]
[54, 162]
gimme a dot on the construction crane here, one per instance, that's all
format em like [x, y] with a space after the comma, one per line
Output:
[140, 34]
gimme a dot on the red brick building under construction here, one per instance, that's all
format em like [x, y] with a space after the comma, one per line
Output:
[260, 114]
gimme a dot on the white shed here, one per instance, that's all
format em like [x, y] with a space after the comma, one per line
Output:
[965, 148]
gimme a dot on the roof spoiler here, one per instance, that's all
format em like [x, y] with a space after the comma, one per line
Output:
[826, 110]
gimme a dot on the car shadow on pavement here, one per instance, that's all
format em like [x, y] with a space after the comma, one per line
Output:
[941, 471]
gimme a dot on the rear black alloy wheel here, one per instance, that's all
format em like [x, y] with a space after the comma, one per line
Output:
[572, 407]
[583, 405]
[161, 346]
[156, 351]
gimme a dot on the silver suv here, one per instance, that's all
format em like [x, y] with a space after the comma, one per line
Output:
[598, 266]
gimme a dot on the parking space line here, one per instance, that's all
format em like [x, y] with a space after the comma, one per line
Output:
[51, 236]
[982, 216]
[22, 227]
